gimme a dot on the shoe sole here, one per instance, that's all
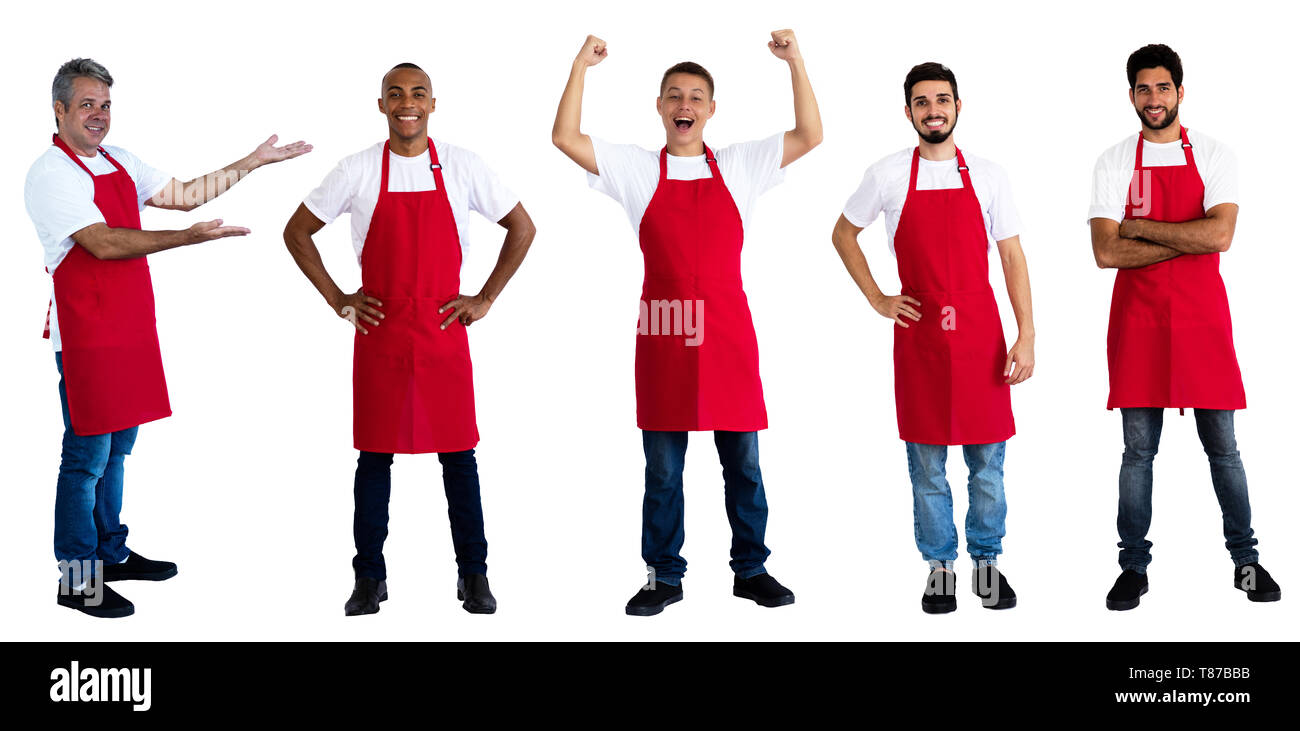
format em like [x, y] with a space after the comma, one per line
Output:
[1001, 604]
[939, 608]
[382, 597]
[460, 597]
[778, 602]
[161, 576]
[97, 612]
[650, 611]
[1263, 596]
[1127, 604]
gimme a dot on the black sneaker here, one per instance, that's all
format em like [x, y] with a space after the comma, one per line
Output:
[649, 602]
[1255, 581]
[940, 595]
[105, 603]
[763, 590]
[992, 588]
[367, 592]
[1127, 591]
[139, 568]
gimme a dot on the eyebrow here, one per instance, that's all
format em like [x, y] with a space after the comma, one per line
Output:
[940, 95]
[678, 88]
[413, 88]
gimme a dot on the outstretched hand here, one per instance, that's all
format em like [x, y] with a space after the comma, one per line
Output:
[267, 153]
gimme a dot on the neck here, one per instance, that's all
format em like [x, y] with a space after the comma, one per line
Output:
[82, 151]
[685, 149]
[408, 148]
[945, 150]
[1172, 133]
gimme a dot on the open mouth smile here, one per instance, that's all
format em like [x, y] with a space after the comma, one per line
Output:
[683, 123]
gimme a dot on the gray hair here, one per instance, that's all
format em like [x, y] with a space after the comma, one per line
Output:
[75, 69]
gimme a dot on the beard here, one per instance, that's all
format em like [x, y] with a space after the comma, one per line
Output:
[1171, 113]
[935, 136]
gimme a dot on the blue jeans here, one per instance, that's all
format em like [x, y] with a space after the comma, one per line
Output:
[1141, 440]
[986, 517]
[88, 496]
[464, 508]
[662, 511]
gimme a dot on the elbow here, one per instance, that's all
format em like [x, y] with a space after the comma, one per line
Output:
[1103, 261]
[560, 140]
[1223, 242]
[814, 138]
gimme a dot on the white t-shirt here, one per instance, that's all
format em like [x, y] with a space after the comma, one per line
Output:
[884, 190]
[630, 174]
[1113, 174]
[60, 199]
[353, 187]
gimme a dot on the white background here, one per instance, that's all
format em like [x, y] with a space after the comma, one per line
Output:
[249, 486]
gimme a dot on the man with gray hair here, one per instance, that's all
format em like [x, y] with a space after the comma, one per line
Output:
[85, 200]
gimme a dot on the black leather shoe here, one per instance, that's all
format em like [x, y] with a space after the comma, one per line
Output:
[139, 568]
[104, 602]
[992, 588]
[1255, 581]
[366, 595]
[940, 595]
[648, 602]
[763, 590]
[474, 592]
[1127, 591]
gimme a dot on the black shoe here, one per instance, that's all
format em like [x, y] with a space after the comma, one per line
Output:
[139, 568]
[763, 590]
[366, 595]
[649, 602]
[106, 603]
[474, 591]
[1127, 591]
[992, 588]
[940, 595]
[1255, 581]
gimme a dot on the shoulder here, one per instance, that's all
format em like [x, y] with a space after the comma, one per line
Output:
[455, 157]
[1115, 155]
[889, 165]
[738, 150]
[1209, 147]
[368, 156]
[984, 167]
[53, 165]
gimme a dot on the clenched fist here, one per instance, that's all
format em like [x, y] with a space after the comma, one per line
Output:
[783, 45]
[593, 51]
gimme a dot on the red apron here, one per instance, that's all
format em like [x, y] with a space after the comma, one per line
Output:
[412, 382]
[112, 365]
[949, 386]
[690, 377]
[1170, 338]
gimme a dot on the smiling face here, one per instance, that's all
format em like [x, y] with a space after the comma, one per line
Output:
[933, 110]
[84, 124]
[1155, 98]
[685, 104]
[407, 103]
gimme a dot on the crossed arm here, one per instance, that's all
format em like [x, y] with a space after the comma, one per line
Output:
[1138, 242]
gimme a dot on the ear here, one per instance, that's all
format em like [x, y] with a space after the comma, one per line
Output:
[1132, 100]
[907, 112]
[1180, 94]
[659, 105]
[958, 106]
[433, 102]
[59, 112]
[380, 103]
[713, 107]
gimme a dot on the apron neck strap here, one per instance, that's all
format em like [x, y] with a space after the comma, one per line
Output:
[434, 166]
[59, 143]
[1187, 148]
[961, 168]
[708, 158]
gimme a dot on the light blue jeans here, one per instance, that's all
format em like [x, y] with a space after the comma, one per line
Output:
[986, 518]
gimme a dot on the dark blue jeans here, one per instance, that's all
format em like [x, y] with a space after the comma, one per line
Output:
[88, 496]
[1141, 440]
[662, 511]
[370, 520]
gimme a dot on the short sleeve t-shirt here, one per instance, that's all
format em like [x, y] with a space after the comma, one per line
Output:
[1113, 174]
[884, 190]
[630, 174]
[353, 187]
[60, 199]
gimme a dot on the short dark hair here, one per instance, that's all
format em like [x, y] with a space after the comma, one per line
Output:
[77, 68]
[1152, 56]
[404, 65]
[687, 67]
[928, 71]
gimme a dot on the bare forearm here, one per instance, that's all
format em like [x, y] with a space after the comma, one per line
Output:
[307, 256]
[189, 195]
[567, 132]
[1015, 269]
[1198, 236]
[846, 244]
[519, 238]
[105, 242]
